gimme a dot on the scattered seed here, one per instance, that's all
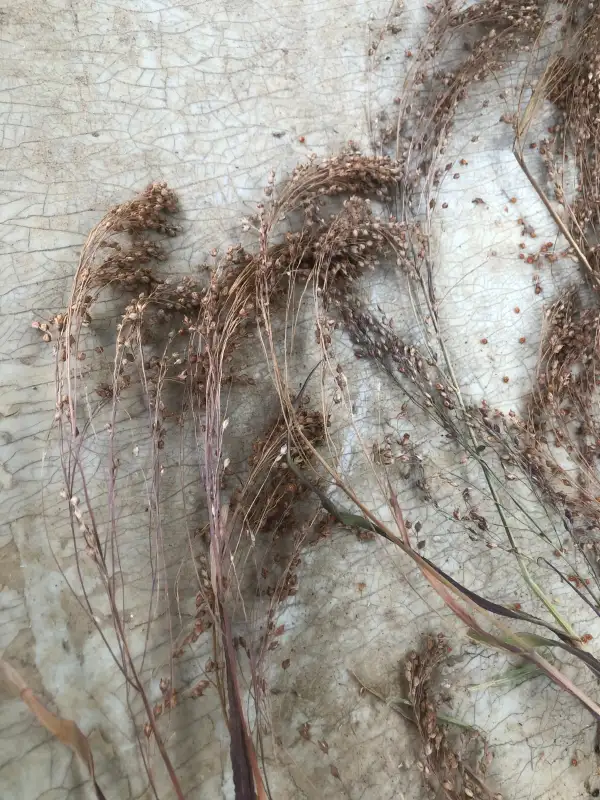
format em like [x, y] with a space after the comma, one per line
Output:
[304, 731]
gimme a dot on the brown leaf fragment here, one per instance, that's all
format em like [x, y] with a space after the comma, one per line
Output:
[65, 730]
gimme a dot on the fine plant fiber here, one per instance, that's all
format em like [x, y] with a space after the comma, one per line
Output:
[175, 356]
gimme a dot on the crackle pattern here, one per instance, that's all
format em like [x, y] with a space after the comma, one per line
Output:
[96, 100]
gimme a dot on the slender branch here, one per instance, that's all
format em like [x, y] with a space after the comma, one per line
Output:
[561, 225]
[392, 702]
[536, 589]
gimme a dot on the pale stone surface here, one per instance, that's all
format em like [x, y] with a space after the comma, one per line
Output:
[97, 99]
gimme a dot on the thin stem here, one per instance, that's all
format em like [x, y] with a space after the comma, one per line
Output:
[535, 588]
[563, 228]
[393, 701]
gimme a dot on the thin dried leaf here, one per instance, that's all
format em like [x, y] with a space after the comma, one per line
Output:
[65, 730]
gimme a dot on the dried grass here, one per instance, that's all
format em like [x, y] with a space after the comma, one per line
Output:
[443, 765]
[491, 34]
[317, 236]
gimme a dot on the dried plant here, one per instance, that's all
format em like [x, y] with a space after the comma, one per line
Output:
[318, 236]
[333, 256]
[64, 730]
[491, 32]
[213, 320]
[557, 443]
[573, 84]
[443, 764]
[126, 267]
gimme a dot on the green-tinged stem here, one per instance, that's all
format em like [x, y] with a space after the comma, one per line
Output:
[394, 701]
[537, 590]
[522, 673]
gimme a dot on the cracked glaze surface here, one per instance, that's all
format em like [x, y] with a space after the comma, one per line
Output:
[96, 100]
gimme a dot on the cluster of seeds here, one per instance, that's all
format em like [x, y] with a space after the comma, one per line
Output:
[573, 82]
[568, 362]
[146, 212]
[443, 768]
[513, 18]
[275, 489]
[491, 32]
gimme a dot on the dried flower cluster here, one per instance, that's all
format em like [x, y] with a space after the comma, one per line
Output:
[443, 766]
[573, 84]
[491, 32]
[181, 343]
[206, 325]
[567, 367]
[271, 489]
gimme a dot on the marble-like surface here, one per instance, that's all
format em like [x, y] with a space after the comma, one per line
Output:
[99, 98]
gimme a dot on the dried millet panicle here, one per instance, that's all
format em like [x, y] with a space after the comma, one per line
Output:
[146, 211]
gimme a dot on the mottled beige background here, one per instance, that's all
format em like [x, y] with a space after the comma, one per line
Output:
[96, 100]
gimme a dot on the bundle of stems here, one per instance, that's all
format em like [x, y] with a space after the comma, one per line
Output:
[318, 236]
